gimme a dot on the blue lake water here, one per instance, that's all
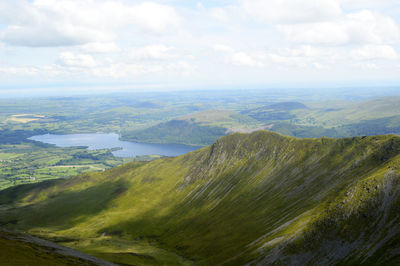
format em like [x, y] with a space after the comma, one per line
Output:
[108, 141]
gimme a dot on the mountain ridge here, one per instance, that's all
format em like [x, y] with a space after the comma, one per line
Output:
[259, 198]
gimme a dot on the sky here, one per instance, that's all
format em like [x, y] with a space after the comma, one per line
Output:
[65, 45]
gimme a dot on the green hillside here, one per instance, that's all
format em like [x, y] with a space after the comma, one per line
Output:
[200, 128]
[248, 198]
[18, 249]
[345, 113]
[335, 119]
[277, 111]
[177, 131]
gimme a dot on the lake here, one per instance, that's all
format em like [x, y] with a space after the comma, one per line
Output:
[111, 140]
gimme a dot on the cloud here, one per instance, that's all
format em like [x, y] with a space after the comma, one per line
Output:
[72, 65]
[164, 40]
[219, 14]
[34, 71]
[243, 59]
[19, 71]
[44, 36]
[118, 70]
[354, 28]
[366, 66]
[152, 52]
[44, 23]
[374, 52]
[49, 23]
[223, 48]
[236, 58]
[100, 47]
[306, 51]
[368, 4]
[182, 67]
[155, 17]
[291, 11]
[69, 59]
[121, 70]
[325, 22]
[282, 60]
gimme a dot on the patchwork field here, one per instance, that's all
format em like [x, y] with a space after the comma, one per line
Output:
[25, 118]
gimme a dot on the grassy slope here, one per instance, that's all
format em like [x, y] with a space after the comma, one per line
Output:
[17, 249]
[178, 131]
[332, 119]
[200, 128]
[258, 197]
[222, 118]
[358, 111]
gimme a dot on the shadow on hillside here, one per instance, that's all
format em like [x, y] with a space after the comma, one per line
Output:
[63, 210]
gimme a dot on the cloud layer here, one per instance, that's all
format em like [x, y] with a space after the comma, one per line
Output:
[209, 42]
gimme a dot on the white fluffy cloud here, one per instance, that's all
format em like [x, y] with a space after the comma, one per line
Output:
[372, 52]
[161, 39]
[219, 14]
[236, 58]
[243, 59]
[359, 28]
[292, 11]
[152, 52]
[154, 17]
[19, 71]
[121, 70]
[223, 48]
[64, 22]
[100, 47]
[370, 4]
[70, 59]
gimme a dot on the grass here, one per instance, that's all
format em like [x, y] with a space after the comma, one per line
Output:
[120, 251]
[223, 118]
[31, 162]
[233, 202]
[25, 118]
[15, 251]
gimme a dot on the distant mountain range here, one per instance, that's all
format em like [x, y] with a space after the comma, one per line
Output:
[344, 119]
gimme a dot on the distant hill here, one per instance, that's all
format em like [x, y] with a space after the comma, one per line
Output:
[348, 113]
[329, 119]
[177, 131]
[200, 128]
[286, 106]
[259, 198]
[277, 111]
[145, 105]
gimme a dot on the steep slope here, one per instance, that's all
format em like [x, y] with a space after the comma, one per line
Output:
[248, 198]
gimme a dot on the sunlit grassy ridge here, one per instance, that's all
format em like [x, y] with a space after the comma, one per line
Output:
[260, 197]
